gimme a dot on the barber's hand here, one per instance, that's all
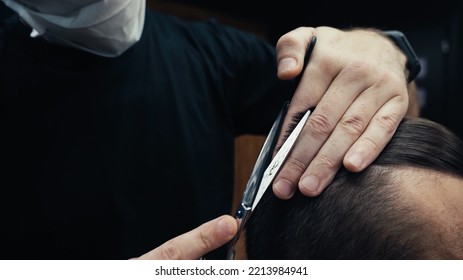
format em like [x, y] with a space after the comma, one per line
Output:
[357, 81]
[197, 242]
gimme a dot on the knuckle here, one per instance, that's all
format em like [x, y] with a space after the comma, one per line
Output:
[327, 162]
[327, 62]
[357, 69]
[319, 124]
[393, 79]
[206, 240]
[388, 122]
[353, 125]
[295, 165]
[170, 252]
[291, 39]
[287, 40]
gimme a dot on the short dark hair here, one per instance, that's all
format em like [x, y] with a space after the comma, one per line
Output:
[361, 215]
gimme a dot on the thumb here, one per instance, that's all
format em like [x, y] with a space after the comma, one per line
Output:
[197, 242]
[291, 49]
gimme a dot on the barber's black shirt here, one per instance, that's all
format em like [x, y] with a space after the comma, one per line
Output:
[107, 158]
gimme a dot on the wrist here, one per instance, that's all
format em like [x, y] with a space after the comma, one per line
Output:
[412, 64]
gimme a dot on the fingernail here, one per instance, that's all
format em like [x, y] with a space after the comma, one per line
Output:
[286, 64]
[283, 188]
[225, 227]
[310, 183]
[356, 161]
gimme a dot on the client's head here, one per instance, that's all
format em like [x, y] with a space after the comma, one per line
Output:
[408, 204]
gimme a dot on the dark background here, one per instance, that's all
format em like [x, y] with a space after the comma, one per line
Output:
[434, 29]
[285, 15]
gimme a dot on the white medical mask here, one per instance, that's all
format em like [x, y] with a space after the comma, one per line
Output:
[103, 27]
